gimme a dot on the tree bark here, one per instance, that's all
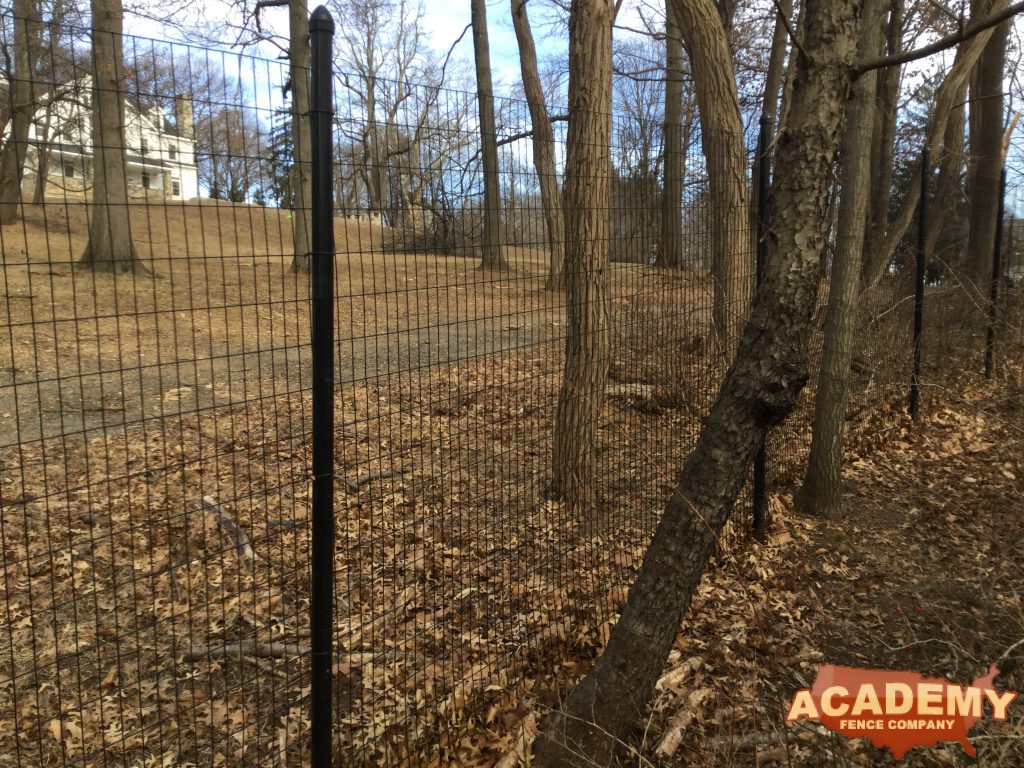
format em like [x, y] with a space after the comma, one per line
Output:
[760, 388]
[822, 490]
[725, 153]
[302, 143]
[884, 142]
[492, 257]
[543, 147]
[950, 93]
[587, 188]
[670, 248]
[12, 163]
[110, 247]
[986, 155]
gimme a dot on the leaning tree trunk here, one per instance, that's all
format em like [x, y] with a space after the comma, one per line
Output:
[761, 387]
[492, 256]
[987, 155]
[22, 107]
[587, 175]
[726, 156]
[670, 248]
[950, 93]
[543, 147]
[110, 245]
[822, 491]
[302, 143]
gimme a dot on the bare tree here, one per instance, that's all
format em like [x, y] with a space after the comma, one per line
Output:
[110, 245]
[587, 172]
[761, 387]
[543, 146]
[492, 257]
[822, 490]
[22, 109]
[949, 94]
[722, 138]
[670, 248]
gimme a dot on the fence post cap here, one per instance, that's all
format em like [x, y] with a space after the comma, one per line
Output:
[320, 20]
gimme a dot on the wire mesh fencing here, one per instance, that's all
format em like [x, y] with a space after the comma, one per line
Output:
[156, 408]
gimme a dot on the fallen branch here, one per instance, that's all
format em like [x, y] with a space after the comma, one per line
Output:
[242, 544]
[680, 721]
[274, 650]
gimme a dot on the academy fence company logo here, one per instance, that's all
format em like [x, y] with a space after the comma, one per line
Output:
[899, 710]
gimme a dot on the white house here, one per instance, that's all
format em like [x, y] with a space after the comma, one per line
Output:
[160, 152]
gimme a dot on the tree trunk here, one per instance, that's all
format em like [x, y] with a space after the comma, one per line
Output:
[884, 142]
[543, 147]
[950, 93]
[726, 156]
[822, 490]
[670, 249]
[12, 163]
[492, 257]
[950, 164]
[110, 247]
[302, 162]
[986, 154]
[760, 388]
[587, 179]
[770, 99]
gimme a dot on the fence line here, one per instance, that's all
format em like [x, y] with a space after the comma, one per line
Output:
[170, 436]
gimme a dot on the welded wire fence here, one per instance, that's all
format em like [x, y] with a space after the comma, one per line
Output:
[155, 420]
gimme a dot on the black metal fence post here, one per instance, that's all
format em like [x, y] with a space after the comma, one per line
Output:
[993, 288]
[321, 31]
[760, 490]
[922, 231]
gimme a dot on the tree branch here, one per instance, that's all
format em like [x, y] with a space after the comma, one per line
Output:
[942, 44]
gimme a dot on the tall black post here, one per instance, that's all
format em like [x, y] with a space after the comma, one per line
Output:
[922, 233]
[321, 32]
[760, 490]
[993, 287]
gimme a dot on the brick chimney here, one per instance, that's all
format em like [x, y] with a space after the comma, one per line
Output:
[183, 116]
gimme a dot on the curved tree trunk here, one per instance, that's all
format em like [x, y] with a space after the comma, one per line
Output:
[587, 179]
[760, 388]
[670, 247]
[492, 256]
[22, 108]
[110, 245]
[822, 490]
[302, 162]
[722, 139]
[543, 147]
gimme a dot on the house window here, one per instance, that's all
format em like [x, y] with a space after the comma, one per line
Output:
[172, 151]
[69, 170]
[176, 187]
[145, 146]
[145, 179]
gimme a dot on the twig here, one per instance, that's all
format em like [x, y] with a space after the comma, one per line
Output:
[789, 28]
[273, 650]
[242, 544]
